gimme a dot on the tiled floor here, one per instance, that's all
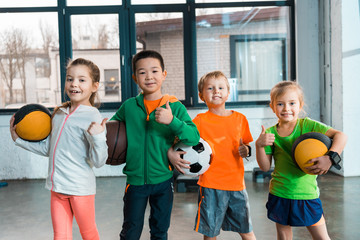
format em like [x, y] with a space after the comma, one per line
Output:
[24, 211]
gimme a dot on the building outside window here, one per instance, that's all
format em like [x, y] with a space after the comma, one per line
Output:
[252, 45]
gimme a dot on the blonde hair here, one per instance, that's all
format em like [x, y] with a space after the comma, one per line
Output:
[209, 75]
[280, 88]
[94, 72]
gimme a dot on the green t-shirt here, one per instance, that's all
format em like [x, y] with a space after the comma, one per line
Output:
[288, 181]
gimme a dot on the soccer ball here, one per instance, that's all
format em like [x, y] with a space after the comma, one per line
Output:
[198, 156]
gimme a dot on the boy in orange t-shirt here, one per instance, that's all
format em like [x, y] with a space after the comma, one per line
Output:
[222, 186]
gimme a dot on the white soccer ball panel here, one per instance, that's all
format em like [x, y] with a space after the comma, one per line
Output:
[198, 156]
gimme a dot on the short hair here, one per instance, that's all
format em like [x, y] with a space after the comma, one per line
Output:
[147, 54]
[280, 88]
[213, 74]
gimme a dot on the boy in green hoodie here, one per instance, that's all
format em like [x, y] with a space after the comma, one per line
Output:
[152, 120]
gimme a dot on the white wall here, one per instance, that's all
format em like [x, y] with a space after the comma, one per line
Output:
[350, 62]
[307, 54]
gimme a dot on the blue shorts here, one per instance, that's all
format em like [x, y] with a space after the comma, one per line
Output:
[297, 213]
[228, 210]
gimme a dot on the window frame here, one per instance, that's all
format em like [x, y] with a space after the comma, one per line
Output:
[127, 36]
[257, 37]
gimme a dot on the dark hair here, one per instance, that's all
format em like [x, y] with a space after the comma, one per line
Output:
[94, 74]
[147, 54]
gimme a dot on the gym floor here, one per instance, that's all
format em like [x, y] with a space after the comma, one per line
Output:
[25, 214]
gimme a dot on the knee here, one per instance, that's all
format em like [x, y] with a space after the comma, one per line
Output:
[91, 234]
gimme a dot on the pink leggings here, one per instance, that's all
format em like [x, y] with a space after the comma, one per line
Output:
[63, 210]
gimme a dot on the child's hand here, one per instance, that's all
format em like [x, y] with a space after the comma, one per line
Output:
[265, 139]
[164, 115]
[13, 133]
[243, 149]
[96, 128]
[321, 165]
[176, 160]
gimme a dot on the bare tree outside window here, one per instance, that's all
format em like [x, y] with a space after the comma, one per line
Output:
[48, 41]
[14, 50]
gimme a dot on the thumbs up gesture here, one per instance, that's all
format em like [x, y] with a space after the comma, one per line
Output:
[265, 139]
[96, 128]
[164, 115]
[243, 149]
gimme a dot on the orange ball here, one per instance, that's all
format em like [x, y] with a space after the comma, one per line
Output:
[33, 122]
[308, 146]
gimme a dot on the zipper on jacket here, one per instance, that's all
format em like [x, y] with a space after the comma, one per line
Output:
[57, 141]
[145, 152]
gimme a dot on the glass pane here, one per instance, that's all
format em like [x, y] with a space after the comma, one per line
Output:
[27, 3]
[219, 1]
[250, 45]
[93, 2]
[96, 37]
[29, 59]
[157, 1]
[163, 32]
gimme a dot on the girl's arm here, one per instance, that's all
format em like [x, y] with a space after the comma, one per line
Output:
[264, 160]
[339, 140]
[323, 164]
[40, 148]
[264, 139]
[96, 135]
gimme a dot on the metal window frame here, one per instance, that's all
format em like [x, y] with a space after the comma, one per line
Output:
[126, 12]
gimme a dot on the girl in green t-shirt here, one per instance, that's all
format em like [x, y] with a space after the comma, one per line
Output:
[294, 195]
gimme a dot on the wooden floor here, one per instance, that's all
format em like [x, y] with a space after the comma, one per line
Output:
[25, 214]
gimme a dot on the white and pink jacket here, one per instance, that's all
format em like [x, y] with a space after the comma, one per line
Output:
[72, 151]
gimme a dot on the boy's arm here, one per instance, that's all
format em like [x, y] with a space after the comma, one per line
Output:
[243, 149]
[264, 139]
[183, 127]
[176, 160]
[323, 164]
[119, 115]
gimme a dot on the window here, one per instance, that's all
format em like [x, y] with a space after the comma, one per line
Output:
[252, 42]
[96, 37]
[112, 82]
[92, 2]
[257, 64]
[28, 42]
[163, 32]
[245, 44]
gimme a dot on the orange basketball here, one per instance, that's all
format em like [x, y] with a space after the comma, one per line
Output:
[33, 122]
[308, 146]
[117, 142]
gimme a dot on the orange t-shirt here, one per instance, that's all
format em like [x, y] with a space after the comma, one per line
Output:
[151, 105]
[223, 134]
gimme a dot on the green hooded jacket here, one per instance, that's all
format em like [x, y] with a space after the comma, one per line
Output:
[148, 141]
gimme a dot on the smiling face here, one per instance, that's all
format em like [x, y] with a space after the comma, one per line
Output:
[287, 106]
[149, 76]
[215, 91]
[79, 85]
